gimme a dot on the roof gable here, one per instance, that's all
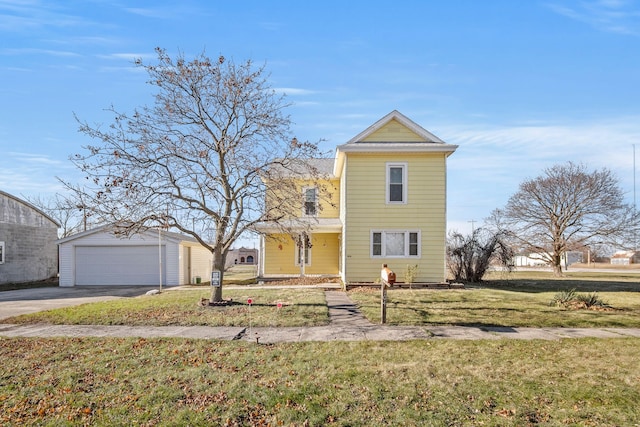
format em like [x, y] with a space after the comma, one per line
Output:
[151, 233]
[395, 127]
[394, 133]
[29, 206]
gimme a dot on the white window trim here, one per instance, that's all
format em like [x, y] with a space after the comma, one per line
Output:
[406, 244]
[307, 259]
[304, 201]
[3, 253]
[404, 166]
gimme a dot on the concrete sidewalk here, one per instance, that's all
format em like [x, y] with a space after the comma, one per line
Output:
[347, 324]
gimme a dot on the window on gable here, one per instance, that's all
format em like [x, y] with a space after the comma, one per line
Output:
[310, 201]
[2, 253]
[396, 183]
[398, 244]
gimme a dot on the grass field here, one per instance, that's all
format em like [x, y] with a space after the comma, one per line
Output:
[131, 381]
[520, 300]
[299, 307]
[496, 307]
[107, 382]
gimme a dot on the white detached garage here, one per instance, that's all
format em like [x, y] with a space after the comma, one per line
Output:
[98, 257]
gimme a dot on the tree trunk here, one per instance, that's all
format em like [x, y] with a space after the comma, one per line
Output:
[556, 264]
[219, 261]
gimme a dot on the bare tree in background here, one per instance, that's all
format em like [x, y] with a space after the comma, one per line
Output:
[567, 208]
[469, 257]
[67, 212]
[198, 159]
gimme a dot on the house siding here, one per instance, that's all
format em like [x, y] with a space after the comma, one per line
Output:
[280, 251]
[201, 265]
[366, 210]
[393, 131]
[331, 208]
[328, 198]
[360, 169]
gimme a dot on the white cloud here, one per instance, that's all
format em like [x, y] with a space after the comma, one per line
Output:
[24, 16]
[166, 12]
[34, 51]
[491, 162]
[129, 56]
[293, 91]
[615, 16]
[29, 159]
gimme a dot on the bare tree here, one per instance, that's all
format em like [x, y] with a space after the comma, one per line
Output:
[67, 212]
[469, 257]
[197, 160]
[567, 208]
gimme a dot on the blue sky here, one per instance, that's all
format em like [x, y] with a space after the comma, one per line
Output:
[518, 85]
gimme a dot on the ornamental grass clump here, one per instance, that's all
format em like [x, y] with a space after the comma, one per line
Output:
[574, 300]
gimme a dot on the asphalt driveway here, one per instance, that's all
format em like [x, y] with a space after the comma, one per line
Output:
[23, 301]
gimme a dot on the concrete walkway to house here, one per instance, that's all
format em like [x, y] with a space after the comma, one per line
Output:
[346, 324]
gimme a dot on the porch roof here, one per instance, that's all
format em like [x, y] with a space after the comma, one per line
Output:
[311, 225]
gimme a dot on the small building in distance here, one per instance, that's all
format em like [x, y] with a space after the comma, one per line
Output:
[28, 250]
[242, 256]
[625, 258]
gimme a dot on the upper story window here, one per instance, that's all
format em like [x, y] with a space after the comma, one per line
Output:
[310, 201]
[397, 183]
[1, 252]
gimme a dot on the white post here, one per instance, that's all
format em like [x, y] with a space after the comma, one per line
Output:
[302, 248]
[160, 255]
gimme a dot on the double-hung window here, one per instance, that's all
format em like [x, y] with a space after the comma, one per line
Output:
[310, 195]
[396, 183]
[307, 255]
[303, 247]
[398, 244]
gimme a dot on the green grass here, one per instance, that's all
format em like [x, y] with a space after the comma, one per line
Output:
[118, 381]
[173, 381]
[495, 307]
[305, 307]
[518, 299]
[544, 281]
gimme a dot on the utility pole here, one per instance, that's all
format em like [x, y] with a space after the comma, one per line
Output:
[473, 221]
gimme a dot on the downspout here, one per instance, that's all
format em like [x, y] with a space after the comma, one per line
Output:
[446, 199]
[343, 213]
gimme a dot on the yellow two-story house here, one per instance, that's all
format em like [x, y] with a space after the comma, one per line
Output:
[385, 204]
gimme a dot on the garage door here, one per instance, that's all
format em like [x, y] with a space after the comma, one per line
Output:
[119, 265]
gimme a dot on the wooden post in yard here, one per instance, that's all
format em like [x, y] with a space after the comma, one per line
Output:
[387, 278]
[383, 302]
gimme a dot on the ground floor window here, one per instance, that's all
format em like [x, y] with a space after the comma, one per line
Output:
[2, 253]
[395, 243]
[303, 244]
